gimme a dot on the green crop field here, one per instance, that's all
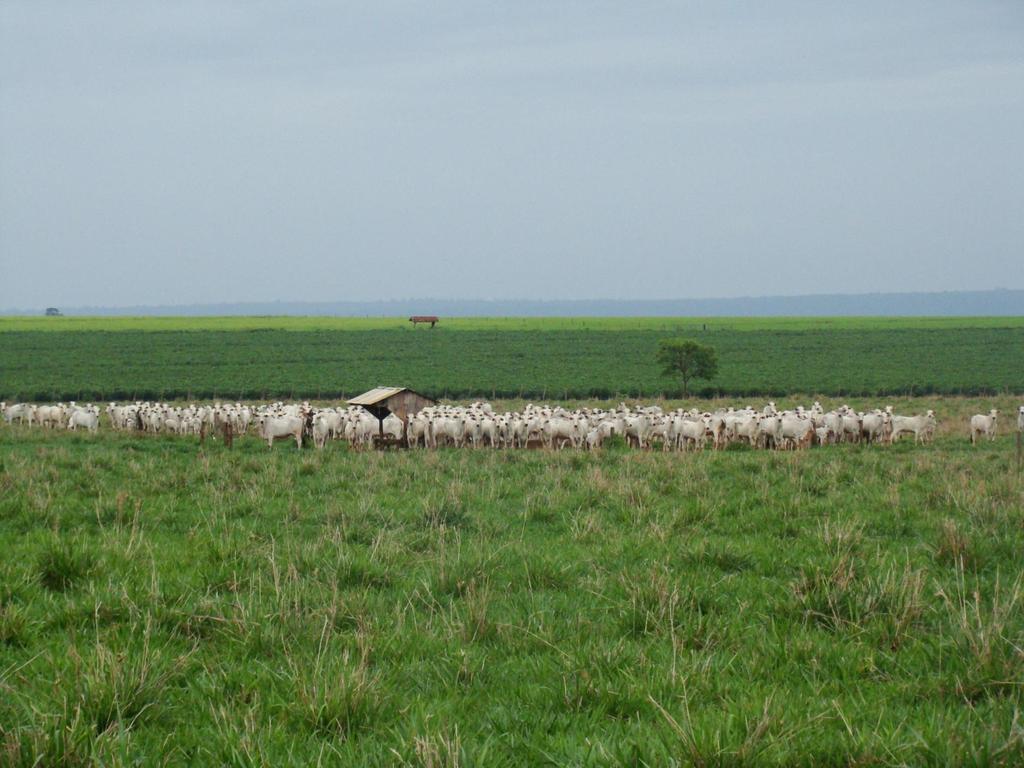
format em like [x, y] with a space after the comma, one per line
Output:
[847, 605]
[540, 358]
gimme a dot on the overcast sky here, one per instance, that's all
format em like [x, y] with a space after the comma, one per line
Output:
[187, 152]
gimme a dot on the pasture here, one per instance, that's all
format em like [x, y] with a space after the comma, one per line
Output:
[534, 358]
[851, 604]
[194, 605]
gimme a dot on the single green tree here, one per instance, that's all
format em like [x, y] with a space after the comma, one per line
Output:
[686, 359]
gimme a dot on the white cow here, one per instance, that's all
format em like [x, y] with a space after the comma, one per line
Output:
[690, 433]
[116, 415]
[321, 430]
[393, 426]
[273, 428]
[747, 428]
[715, 424]
[333, 421]
[876, 426]
[20, 412]
[833, 422]
[84, 417]
[473, 431]
[769, 431]
[638, 428]
[445, 430]
[596, 436]
[489, 430]
[518, 431]
[660, 429]
[418, 431]
[559, 430]
[51, 415]
[922, 427]
[984, 424]
[851, 427]
[1020, 419]
[797, 431]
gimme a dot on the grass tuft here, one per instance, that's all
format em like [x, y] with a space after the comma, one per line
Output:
[446, 512]
[119, 690]
[850, 595]
[336, 695]
[987, 636]
[653, 603]
[62, 565]
[954, 546]
[439, 750]
[14, 625]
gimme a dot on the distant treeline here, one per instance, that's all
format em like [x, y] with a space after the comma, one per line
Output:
[948, 303]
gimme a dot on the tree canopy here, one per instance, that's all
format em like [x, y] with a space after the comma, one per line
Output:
[687, 359]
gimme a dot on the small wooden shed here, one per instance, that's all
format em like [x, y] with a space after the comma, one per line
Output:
[401, 401]
[417, 319]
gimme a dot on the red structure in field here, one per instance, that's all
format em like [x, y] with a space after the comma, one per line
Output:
[417, 319]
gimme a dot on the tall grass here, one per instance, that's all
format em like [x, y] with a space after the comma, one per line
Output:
[162, 602]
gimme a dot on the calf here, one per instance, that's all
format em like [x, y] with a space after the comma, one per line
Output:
[596, 436]
[984, 424]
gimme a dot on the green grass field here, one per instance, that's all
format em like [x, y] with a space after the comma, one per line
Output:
[542, 358]
[847, 605]
[842, 606]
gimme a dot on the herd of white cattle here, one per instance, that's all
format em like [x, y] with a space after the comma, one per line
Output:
[478, 425]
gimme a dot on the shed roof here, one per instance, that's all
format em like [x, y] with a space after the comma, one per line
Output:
[375, 396]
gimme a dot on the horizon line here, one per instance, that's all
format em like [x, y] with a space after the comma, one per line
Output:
[100, 309]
